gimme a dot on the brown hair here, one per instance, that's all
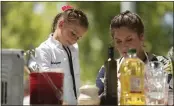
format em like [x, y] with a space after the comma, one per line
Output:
[129, 20]
[71, 15]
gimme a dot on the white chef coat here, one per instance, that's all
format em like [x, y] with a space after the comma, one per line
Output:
[49, 55]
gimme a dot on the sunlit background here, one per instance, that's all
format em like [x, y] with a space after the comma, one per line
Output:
[27, 24]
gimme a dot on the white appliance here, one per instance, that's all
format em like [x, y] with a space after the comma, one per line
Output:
[12, 74]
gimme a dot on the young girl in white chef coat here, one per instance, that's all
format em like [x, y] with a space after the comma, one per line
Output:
[60, 50]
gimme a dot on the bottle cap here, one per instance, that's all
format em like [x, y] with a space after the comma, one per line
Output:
[111, 51]
[132, 51]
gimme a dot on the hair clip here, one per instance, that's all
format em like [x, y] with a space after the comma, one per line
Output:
[64, 8]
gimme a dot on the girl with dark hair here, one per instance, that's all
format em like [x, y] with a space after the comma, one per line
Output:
[127, 31]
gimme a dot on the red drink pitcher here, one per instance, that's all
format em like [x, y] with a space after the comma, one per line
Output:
[46, 87]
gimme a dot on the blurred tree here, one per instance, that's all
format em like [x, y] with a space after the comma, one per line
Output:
[23, 25]
[157, 37]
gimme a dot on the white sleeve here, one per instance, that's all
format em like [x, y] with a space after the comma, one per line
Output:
[43, 58]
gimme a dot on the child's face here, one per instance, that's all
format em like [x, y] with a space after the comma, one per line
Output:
[125, 38]
[70, 33]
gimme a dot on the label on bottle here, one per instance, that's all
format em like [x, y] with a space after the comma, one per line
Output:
[135, 84]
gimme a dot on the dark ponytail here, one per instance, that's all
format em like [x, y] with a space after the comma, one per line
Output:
[55, 22]
[72, 16]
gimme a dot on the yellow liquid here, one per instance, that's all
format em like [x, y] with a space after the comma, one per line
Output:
[132, 82]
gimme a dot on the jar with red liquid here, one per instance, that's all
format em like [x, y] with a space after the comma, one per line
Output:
[46, 87]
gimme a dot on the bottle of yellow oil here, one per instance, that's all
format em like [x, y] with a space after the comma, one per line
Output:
[132, 80]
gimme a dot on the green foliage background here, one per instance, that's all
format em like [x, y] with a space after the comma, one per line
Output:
[23, 27]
